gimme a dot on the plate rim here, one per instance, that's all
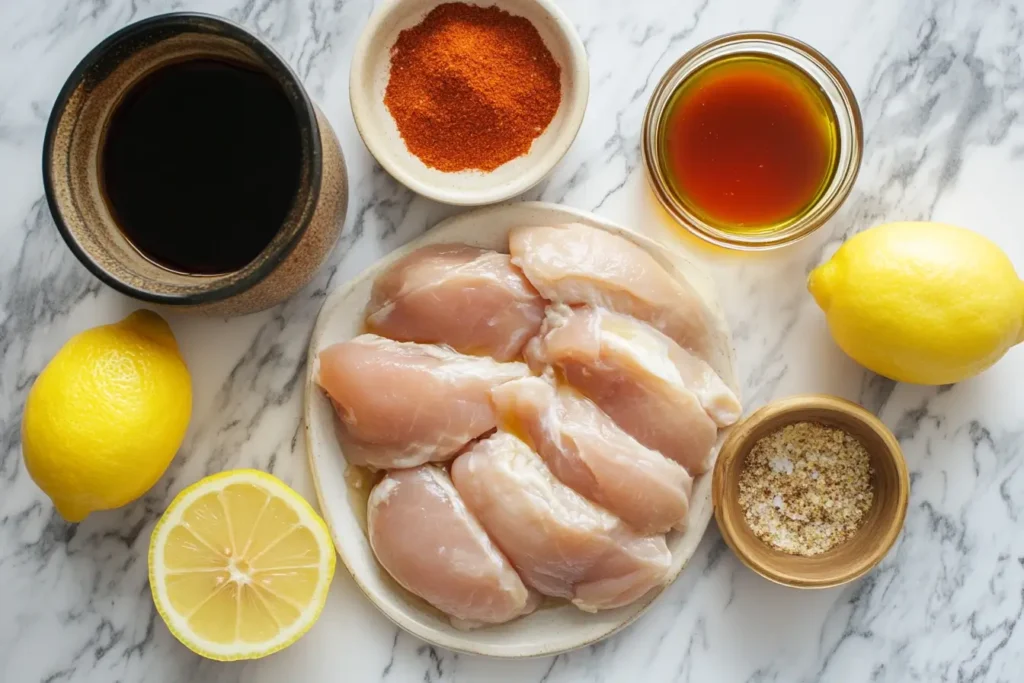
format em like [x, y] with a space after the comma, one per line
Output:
[464, 645]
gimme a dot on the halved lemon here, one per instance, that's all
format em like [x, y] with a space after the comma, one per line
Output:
[239, 565]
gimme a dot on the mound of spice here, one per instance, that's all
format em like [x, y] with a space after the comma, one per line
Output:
[806, 488]
[471, 87]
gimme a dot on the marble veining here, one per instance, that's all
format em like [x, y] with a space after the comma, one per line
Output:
[941, 88]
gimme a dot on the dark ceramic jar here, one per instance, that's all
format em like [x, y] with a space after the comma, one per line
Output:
[73, 183]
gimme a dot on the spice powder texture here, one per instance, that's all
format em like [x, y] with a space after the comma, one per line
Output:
[471, 87]
[805, 488]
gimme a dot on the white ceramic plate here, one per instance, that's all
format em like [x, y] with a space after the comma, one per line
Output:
[549, 630]
[371, 65]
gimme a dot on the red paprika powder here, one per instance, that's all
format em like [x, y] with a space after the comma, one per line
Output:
[471, 87]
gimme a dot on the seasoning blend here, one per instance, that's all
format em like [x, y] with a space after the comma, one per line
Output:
[752, 140]
[806, 488]
[471, 87]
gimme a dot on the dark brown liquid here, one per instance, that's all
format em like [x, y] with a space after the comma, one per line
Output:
[201, 165]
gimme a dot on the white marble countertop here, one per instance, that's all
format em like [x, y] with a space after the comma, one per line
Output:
[941, 87]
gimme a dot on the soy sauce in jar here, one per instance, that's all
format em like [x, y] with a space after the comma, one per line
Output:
[749, 143]
[201, 165]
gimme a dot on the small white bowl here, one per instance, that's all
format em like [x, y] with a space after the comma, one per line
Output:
[550, 630]
[371, 65]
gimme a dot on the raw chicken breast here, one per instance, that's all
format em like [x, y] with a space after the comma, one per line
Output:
[426, 539]
[560, 543]
[577, 264]
[403, 404]
[471, 299]
[654, 389]
[589, 453]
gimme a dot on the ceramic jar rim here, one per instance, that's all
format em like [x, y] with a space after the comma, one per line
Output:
[278, 250]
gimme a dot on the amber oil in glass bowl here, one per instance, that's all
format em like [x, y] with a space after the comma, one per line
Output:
[752, 140]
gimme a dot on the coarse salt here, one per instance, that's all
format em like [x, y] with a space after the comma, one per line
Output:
[806, 488]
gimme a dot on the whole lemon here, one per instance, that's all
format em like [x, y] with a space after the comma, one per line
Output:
[106, 415]
[925, 303]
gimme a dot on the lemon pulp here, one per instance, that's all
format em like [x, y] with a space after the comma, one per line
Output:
[240, 565]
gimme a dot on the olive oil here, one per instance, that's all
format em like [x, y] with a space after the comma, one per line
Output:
[749, 143]
[360, 481]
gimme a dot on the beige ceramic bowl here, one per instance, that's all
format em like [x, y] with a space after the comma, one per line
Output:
[371, 65]
[552, 629]
[855, 557]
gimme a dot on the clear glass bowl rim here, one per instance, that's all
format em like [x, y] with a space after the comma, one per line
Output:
[832, 198]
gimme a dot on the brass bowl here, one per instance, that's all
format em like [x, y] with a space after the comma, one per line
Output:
[853, 558]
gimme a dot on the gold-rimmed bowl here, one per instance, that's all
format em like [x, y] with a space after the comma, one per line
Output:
[854, 557]
[813, 64]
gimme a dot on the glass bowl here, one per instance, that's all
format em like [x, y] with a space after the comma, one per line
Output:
[814, 65]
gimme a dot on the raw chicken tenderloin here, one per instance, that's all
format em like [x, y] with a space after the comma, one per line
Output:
[589, 453]
[471, 299]
[579, 265]
[426, 539]
[403, 404]
[654, 389]
[560, 543]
